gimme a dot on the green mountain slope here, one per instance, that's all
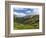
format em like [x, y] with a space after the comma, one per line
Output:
[29, 22]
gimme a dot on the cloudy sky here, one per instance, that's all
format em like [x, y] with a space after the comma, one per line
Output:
[21, 12]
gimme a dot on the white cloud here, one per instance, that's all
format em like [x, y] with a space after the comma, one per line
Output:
[35, 12]
[19, 14]
[28, 12]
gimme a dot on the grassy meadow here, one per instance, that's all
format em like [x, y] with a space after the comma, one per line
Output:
[28, 22]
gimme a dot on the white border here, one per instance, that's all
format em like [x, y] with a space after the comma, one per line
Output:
[26, 31]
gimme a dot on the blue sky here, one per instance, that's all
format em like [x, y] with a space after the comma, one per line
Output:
[21, 12]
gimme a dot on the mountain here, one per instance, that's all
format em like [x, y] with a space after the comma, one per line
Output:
[27, 22]
[27, 19]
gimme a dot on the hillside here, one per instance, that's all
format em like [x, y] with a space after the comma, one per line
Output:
[27, 22]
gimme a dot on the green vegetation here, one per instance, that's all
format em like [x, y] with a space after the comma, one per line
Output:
[26, 23]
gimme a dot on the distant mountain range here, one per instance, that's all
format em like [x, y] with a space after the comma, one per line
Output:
[28, 20]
